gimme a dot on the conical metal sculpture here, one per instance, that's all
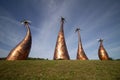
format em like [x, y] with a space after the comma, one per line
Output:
[21, 51]
[102, 53]
[61, 52]
[80, 52]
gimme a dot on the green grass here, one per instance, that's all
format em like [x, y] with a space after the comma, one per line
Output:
[59, 70]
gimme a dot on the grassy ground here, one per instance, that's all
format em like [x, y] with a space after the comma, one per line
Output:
[59, 70]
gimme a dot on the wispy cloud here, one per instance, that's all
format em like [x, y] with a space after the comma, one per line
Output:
[50, 27]
[95, 21]
[45, 40]
[11, 32]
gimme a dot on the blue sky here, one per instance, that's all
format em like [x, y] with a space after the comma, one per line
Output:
[96, 18]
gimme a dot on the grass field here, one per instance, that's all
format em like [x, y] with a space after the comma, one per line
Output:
[59, 70]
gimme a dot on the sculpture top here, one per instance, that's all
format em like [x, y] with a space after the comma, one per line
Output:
[62, 22]
[26, 22]
[62, 19]
[77, 29]
[100, 40]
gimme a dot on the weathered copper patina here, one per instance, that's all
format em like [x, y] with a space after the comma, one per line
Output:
[21, 51]
[102, 53]
[61, 52]
[80, 52]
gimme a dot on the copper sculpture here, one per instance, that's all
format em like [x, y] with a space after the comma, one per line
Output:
[102, 53]
[21, 51]
[80, 52]
[61, 52]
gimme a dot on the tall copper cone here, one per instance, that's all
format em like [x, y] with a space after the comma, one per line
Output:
[61, 52]
[21, 51]
[102, 53]
[80, 52]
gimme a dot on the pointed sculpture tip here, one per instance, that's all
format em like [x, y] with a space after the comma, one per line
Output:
[77, 29]
[62, 18]
[100, 40]
[25, 21]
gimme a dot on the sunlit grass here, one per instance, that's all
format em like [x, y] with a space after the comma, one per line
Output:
[59, 70]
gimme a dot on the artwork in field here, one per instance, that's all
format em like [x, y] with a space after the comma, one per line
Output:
[21, 51]
[102, 53]
[61, 52]
[80, 52]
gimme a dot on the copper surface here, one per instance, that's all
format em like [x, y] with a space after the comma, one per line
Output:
[80, 52]
[102, 53]
[61, 52]
[21, 51]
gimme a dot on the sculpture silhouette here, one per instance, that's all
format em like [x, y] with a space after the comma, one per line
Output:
[21, 51]
[80, 52]
[102, 53]
[61, 52]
